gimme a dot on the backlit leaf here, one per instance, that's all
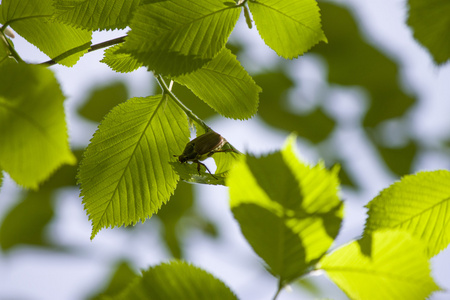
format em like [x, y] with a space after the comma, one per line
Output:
[176, 37]
[125, 175]
[397, 268]
[177, 280]
[290, 27]
[418, 204]
[225, 86]
[288, 211]
[96, 14]
[32, 20]
[33, 134]
[119, 61]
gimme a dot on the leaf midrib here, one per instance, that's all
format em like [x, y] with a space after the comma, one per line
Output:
[96, 228]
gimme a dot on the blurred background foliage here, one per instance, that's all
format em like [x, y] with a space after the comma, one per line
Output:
[350, 62]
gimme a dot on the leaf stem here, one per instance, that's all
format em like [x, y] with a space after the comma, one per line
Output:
[12, 51]
[186, 110]
[92, 48]
[280, 287]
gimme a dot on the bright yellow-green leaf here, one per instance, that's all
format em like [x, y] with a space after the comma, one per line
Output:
[174, 37]
[288, 211]
[290, 27]
[96, 14]
[418, 204]
[32, 20]
[125, 174]
[225, 86]
[177, 280]
[33, 134]
[430, 22]
[397, 268]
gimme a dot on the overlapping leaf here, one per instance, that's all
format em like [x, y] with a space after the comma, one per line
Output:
[119, 61]
[32, 20]
[397, 269]
[96, 14]
[177, 280]
[289, 212]
[289, 27]
[225, 86]
[125, 175]
[33, 135]
[175, 37]
[418, 204]
[430, 22]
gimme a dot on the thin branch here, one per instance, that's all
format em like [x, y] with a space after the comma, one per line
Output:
[186, 110]
[280, 287]
[92, 48]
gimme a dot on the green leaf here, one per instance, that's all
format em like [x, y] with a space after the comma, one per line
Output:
[122, 277]
[33, 134]
[289, 212]
[418, 204]
[397, 269]
[25, 223]
[354, 62]
[125, 175]
[102, 100]
[96, 14]
[225, 86]
[177, 280]
[32, 20]
[430, 21]
[171, 214]
[119, 61]
[289, 27]
[275, 110]
[188, 172]
[176, 37]
[399, 160]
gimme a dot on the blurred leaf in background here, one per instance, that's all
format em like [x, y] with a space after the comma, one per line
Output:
[102, 99]
[26, 222]
[352, 61]
[430, 22]
[121, 277]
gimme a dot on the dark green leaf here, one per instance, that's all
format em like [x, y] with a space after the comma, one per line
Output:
[430, 22]
[25, 223]
[177, 280]
[274, 109]
[122, 277]
[102, 100]
[352, 61]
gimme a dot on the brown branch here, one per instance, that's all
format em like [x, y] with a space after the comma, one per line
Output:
[91, 48]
